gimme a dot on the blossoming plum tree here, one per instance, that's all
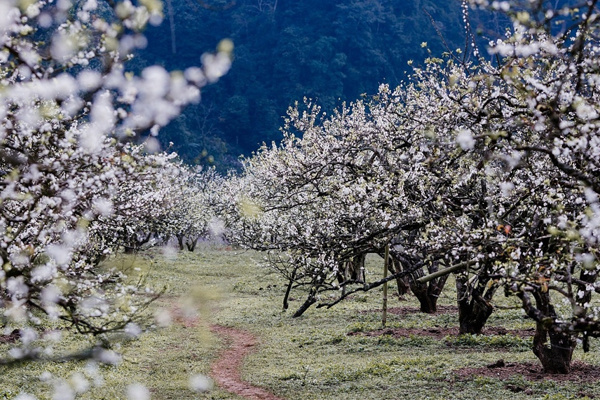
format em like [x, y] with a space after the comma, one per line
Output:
[356, 181]
[532, 116]
[69, 107]
[193, 211]
[548, 123]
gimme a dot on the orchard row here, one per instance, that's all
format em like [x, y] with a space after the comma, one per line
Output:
[485, 168]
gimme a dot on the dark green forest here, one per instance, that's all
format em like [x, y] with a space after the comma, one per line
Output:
[330, 51]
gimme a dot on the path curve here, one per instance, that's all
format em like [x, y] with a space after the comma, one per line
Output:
[225, 370]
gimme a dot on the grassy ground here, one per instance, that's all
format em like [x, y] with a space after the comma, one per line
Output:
[311, 357]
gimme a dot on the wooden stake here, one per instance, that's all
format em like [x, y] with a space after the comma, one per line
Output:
[385, 285]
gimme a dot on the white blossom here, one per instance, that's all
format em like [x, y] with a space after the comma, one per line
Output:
[137, 391]
[200, 383]
[465, 139]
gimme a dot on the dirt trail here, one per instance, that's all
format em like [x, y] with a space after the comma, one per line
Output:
[226, 369]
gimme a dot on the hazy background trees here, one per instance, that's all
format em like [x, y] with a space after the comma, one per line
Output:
[329, 51]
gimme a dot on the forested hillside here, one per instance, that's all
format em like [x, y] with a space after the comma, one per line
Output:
[330, 51]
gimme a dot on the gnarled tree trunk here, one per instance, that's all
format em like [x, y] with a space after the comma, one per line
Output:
[474, 307]
[310, 300]
[426, 293]
[180, 238]
[191, 243]
[356, 268]
[351, 271]
[555, 356]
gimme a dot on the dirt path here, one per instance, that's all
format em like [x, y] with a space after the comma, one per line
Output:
[226, 369]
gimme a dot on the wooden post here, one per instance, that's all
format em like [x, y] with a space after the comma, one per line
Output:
[385, 285]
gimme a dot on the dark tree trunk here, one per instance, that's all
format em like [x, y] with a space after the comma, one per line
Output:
[191, 243]
[351, 271]
[428, 298]
[427, 293]
[555, 359]
[180, 238]
[356, 268]
[401, 282]
[310, 300]
[474, 307]
[289, 289]
[473, 315]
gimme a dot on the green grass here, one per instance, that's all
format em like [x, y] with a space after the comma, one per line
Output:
[311, 357]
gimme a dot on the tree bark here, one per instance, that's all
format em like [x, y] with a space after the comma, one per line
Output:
[357, 268]
[191, 243]
[555, 359]
[474, 307]
[427, 293]
[289, 289]
[402, 284]
[311, 299]
[473, 315]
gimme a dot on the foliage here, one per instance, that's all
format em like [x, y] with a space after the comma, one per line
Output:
[547, 121]
[330, 51]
